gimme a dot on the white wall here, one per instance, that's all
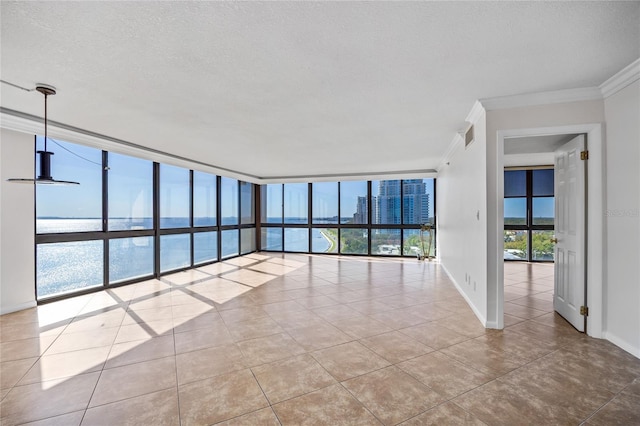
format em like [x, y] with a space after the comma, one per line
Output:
[622, 287]
[462, 226]
[17, 263]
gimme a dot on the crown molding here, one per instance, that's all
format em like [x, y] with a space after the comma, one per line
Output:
[542, 98]
[476, 112]
[622, 79]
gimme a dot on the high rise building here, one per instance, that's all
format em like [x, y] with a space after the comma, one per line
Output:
[360, 216]
[415, 202]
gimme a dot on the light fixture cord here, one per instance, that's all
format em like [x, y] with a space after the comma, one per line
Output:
[45, 121]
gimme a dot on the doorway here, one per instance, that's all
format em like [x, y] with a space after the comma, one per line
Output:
[593, 265]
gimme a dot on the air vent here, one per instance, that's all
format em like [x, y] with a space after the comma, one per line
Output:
[468, 136]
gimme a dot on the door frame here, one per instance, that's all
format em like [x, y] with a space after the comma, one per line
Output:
[595, 239]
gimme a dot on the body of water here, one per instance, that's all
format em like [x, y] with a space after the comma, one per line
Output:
[70, 266]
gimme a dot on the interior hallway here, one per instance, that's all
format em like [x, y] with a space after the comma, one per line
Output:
[300, 339]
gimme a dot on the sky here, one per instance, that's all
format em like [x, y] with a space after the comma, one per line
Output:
[130, 189]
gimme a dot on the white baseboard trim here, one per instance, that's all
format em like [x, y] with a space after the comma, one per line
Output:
[621, 343]
[482, 318]
[16, 308]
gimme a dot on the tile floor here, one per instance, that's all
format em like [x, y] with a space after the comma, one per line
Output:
[296, 339]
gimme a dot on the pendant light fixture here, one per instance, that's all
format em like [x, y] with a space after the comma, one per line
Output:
[44, 178]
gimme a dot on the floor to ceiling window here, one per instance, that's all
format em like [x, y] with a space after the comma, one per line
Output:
[105, 232]
[529, 212]
[387, 217]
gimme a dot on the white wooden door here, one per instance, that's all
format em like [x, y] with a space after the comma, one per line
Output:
[570, 182]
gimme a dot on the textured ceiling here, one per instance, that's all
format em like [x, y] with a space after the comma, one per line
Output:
[302, 88]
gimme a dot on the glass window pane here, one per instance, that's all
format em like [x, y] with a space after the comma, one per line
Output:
[325, 202]
[204, 199]
[248, 240]
[515, 183]
[296, 239]
[515, 245]
[247, 203]
[354, 241]
[415, 243]
[542, 183]
[229, 201]
[515, 211]
[542, 246]
[130, 258]
[174, 197]
[67, 267]
[543, 210]
[296, 207]
[175, 251]
[324, 240]
[354, 207]
[386, 242]
[272, 239]
[417, 196]
[385, 196]
[230, 243]
[271, 203]
[205, 247]
[73, 208]
[130, 193]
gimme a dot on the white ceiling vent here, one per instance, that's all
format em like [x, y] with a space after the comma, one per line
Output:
[468, 136]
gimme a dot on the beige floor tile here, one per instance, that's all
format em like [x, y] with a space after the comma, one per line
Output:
[248, 278]
[482, 356]
[272, 268]
[331, 406]
[186, 277]
[524, 312]
[43, 400]
[58, 366]
[220, 398]
[316, 301]
[447, 414]
[292, 377]
[152, 301]
[144, 315]
[215, 335]
[253, 328]
[207, 363]
[398, 318]
[101, 321]
[157, 408]
[12, 371]
[217, 268]
[361, 326]
[445, 375]
[70, 419]
[132, 380]
[578, 398]
[622, 410]
[335, 312]
[499, 404]
[319, 336]
[140, 350]
[243, 314]
[182, 324]
[392, 395]
[25, 348]
[433, 335]
[349, 360]
[144, 330]
[264, 350]
[395, 347]
[10, 331]
[263, 417]
[83, 340]
[300, 319]
[193, 310]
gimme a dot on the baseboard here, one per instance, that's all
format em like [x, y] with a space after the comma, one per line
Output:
[15, 308]
[621, 343]
[477, 313]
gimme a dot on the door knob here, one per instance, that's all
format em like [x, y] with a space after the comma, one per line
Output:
[554, 240]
